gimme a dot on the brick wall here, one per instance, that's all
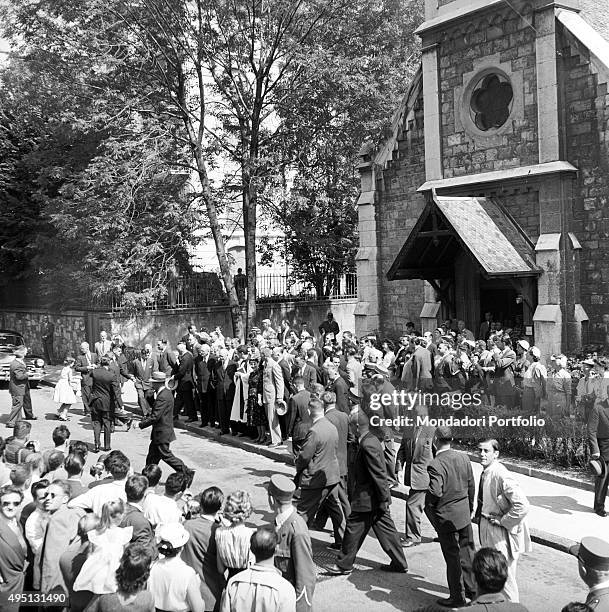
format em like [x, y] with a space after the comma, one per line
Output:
[508, 37]
[586, 111]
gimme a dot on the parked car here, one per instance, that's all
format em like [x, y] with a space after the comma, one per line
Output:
[9, 341]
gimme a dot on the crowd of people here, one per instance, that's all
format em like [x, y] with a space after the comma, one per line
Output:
[131, 548]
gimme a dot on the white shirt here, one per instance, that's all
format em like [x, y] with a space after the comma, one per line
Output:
[35, 526]
[95, 498]
[169, 580]
[159, 510]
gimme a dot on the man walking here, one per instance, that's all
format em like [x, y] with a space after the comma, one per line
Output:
[340, 388]
[272, 395]
[85, 363]
[144, 366]
[300, 419]
[162, 435]
[105, 390]
[19, 389]
[449, 506]
[369, 505]
[501, 512]
[294, 555]
[598, 438]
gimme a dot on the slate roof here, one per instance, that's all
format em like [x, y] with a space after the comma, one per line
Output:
[596, 13]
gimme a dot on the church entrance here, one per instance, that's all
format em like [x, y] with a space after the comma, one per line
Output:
[503, 301]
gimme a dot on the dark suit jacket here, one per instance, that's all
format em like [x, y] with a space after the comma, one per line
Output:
[143, 373]
[451, 494]
[166, 361]
[12, 564]
[142, 529]
[300, 420]
[370, 484]
[415, 454]
[598, 429]
[341, 389]
[203, 372]
[341, 421]
[18, 381]
[81, 366]
[184, 372]
[200, 553]
[421, 369]
[105, 388]
[317, 464]
[310, 375]
[161, 418]
[287, 379]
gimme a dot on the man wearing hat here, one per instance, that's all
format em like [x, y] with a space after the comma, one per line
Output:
[161, 419]
[593, 556]
[598, 438]
[19, 388]
[293, 555]
[584, 394]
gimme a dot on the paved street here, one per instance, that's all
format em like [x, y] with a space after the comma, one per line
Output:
[548, 578]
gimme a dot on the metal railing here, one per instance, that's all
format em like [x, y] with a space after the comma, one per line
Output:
[278, 287]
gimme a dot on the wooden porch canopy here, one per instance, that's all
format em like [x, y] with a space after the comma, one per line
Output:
[478, 226]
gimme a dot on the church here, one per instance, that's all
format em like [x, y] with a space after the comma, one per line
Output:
[491, 193]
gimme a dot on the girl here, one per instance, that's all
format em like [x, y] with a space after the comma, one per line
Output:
[98, 574]
[64, 390]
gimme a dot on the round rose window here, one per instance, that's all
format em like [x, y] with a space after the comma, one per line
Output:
[491, 102]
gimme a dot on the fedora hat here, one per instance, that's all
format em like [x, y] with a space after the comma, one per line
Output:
[281, 407]
[158, 377]
[597, 467]
[171, 383]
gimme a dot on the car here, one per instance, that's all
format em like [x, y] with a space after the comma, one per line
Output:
[9, 341]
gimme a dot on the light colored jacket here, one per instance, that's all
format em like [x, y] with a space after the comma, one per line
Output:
[272, 382]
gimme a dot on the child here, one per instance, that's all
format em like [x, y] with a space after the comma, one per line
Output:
[64, 390]
[98, 574]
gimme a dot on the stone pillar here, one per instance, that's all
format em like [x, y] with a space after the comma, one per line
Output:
[367, 310]
[431, 106]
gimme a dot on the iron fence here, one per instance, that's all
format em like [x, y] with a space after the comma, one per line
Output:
[278, 287]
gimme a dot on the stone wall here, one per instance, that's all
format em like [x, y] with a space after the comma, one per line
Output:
[586, 112]
[70, 329]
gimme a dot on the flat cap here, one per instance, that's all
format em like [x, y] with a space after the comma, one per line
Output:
[281, 487]
[593, 553]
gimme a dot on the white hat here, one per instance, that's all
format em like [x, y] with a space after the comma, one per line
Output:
[174, 533]
[535, 352]
[524, 344]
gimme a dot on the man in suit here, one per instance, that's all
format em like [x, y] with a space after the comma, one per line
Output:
[200, 551]
[385, 431]
[61, 532]
[183, 374]
[449, 506]
[74, 465]
[294, 554]
[119, 366]
[329, 326]
[85, 363]
[503, 376]
[369, 504]
[48, 337]
[224, 397]
[354, 370]
[593, 557]
[165, 357]
[104, 346]
[191, 338]
[204, 366]
[338, 386]
[135, 489]
[278, 355]
[414, 455]
[341, 421]
[598, 438]
[305, 370]
[300, 419]
[501, 513]
[19, 389]
[162, 434]
[318, 471]
[105, 390]
[272, 394]
[421, 367]
[143, 368]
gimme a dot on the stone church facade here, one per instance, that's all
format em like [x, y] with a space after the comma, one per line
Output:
[492, 194]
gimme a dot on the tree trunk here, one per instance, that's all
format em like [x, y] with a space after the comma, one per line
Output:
[249, 229]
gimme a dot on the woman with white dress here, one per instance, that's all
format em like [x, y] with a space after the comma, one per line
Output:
[64, 389]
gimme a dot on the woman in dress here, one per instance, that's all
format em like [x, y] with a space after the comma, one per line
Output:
[13, 548]
[256, 416]
[64, 390]
[98, 574]
[559, 388]
[388, 354]
[174, 585]
[131, 577]
[233, 540]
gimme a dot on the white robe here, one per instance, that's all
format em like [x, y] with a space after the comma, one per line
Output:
[243, 374]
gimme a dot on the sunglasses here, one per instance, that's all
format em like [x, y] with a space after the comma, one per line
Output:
[11, 504]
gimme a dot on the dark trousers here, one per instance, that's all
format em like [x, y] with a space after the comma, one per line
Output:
[101, 420]
[343, 500]
[21, 402]
[85, 392]
[145, 397]
[358, 526]
[389, 454]
[415, 505]
[308, 502]
[458, 551]
[161, 452]
[207, 400]
[224, 410]
[601, 483]
[184, 399]
[48, 351]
